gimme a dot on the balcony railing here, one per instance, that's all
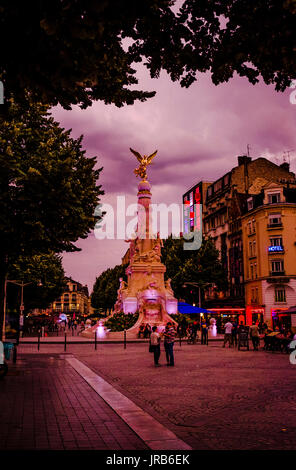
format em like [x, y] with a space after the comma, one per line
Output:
[277, 273]
[275, 225]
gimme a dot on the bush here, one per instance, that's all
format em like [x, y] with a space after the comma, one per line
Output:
[121, 321]
[178, 317]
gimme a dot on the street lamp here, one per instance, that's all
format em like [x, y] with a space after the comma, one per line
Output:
[194, 284]
[22, 285]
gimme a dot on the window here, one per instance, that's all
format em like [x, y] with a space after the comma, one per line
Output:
[255, 270]
[252, 272]
[226, 180]
[249, 227]
[218, 185]
[277, 266]
[250, 203]
[273, 198]
[253, 296]
[254, 248]
[254, 225]
[256, 298]
[275, 220]
[280, 294]
[250, 249]
[276, 241]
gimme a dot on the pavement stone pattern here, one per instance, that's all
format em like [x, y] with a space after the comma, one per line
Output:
[214, 397]
[151, 431]
[45, 404]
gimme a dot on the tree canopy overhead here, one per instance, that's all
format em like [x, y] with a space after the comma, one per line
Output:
[75, 52]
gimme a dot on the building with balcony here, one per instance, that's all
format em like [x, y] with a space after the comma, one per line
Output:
[269, 238]
[225, 201]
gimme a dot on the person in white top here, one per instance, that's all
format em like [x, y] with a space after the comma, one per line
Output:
[155, 345]
[227, 336]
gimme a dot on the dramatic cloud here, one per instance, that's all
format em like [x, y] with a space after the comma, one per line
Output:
[199, 132]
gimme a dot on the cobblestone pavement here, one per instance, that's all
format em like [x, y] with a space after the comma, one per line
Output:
[213, 398]
[45, 404]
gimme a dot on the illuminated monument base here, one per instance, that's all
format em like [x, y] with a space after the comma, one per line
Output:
[146, 291]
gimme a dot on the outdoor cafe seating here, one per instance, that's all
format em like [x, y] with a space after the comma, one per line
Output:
[277, 341]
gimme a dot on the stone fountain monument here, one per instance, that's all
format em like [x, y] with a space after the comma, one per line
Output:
[146, 291]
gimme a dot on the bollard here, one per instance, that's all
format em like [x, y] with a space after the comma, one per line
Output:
[65, 344]
[95, 340]
[38, 345]
[180, 340]
[124, 339]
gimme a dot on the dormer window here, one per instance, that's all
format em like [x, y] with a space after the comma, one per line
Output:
[274, 198]
[250, 204]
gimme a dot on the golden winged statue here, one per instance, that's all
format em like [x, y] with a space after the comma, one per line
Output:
[144, 162]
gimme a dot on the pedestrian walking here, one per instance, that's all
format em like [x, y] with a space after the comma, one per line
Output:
[228, 334]
[169, 338]
[155, 345]
[254, 335]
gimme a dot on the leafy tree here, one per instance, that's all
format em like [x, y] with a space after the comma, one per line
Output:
[46, 270]
[105, 289]
[75, 52]
[48, 187]
[202, 267]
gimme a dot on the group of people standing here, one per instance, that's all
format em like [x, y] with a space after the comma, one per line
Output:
[144, 331]
[168, 336]
[233, 330]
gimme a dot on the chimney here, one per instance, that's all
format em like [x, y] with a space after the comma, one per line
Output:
[285, 166]
[243, 160]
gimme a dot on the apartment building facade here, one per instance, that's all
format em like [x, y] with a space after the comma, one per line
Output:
[74, 299]
[269, 238]
[225, 203]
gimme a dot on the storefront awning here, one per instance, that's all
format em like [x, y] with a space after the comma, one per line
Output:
[187, 309]
[291, 310]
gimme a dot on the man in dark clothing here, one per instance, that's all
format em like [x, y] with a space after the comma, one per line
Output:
[204, 332]
[169, 338]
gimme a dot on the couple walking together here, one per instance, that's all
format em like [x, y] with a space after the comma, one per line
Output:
[169, 338]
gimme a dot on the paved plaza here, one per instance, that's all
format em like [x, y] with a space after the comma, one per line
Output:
[213, 398]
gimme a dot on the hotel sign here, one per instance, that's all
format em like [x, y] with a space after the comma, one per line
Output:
[275, 249]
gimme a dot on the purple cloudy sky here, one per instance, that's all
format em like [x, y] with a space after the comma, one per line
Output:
[199, 132]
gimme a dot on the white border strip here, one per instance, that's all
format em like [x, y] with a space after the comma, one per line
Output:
[155, 435]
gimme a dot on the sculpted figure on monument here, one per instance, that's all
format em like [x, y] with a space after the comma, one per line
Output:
[168, 286]
[122, 285]
[144, 162]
